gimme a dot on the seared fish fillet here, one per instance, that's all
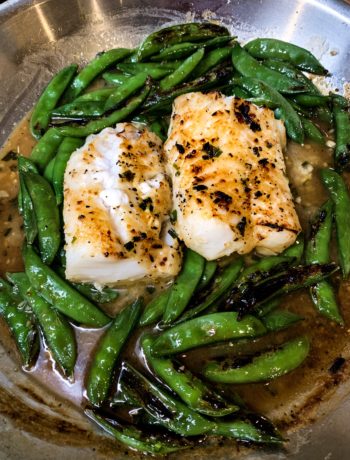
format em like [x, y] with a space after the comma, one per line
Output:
[230, 189]
[116, 205]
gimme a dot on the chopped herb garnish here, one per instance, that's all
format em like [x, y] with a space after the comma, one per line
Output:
[172, 233]
[173, 216]
[211, 151]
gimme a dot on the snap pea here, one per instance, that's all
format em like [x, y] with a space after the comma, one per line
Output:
[169, 412]
[182, 72]
[78, 110]
[250, 67]
[115, 78]
[94, 68]
[155, 71]
[125, 90]
[267, 307]
[296, 251]
[13, 310]
[115, 117]
[152, 443]
[221, 284]
[168, 36]
[210, 268]
[238, 92]
[40, 117]
[65, 150]
[98, 95]
[195, 393]
[342, 135]
[340, 196]
[311, 131]
[109, 347]
[206, 330]
[49, 170]
[266, 366]
[157, 128]
[264, 48]
[324, 114]
[58, 333]
[46, 148]
[317, 247]
[277, 320]
[244, 430]
[25, 204]
[266, 95]
[46, 215]
[210, 60]
[155, 308]
[324, 299]
[60, 294]
[181, 50]
[263, 267]
[184, 286]
[311, 100]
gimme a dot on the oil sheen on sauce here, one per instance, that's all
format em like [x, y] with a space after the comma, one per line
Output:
[287, 400]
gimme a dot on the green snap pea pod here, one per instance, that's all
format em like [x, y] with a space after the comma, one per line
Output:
[317, 247]
[25, 203]
[206, 330]
[104, 295]
[155, 71]
[49, 170]
[20, 323]
[125, 90]
[250, 67]
[223, 281]
[155, 308]
[311, 131]
[341, 200]
[267, 307]
[195, 393]
[94, 68]
[263, 267]
[46, 148]
[311, 100]
[296, 251]
[290, 280]
[184, 286]
[58, 333]
[340, 101]
[324, 114]
[244, 430]
[182, 72]
[266, 366]
[266, 95]
[264, 48]
[238, 92]
[157, 128]
[210, 268]
[342, 135]
[95, 126]
[46, 215]
[59, 293]
[65, 150]
[324, 299]
[99, 95]
[280, 319]
[169, 412]
[168, 36]
[40, 118]
[210, 60]
[109, 347]
[115, 78]
[181, 50]
[149, 443]
[78, 110]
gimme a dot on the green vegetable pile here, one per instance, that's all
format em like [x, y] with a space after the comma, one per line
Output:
[171, 408]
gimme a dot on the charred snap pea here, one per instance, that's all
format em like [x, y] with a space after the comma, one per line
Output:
[263, 94]
[20, 322]
[101, 370]
[65, 150]
[46, 215]
[265, 48]
[250, 67]
[46, 148]
[210, 268]
[58, 333]
[311, 131]
[115, 78]
[340, 196]
[210, 60]
[25, 204]
[40, 118]
[263, 267]
[317, 248]
[147, 441]
[282, 283]
[184, 286]
[206, 330]
[115, 117]
[155, 308]
[182, 72]
[223, 281]
[125, 90]
[168, 36]
[93, 69]
[195, 393]
[280, 319]
[169, 412]
[266, 366]
[59, 293]
[342, 135]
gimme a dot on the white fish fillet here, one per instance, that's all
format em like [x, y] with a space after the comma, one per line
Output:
[230, 189]
[116, 205]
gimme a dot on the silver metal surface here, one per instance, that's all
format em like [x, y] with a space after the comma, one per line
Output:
[38, 38]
